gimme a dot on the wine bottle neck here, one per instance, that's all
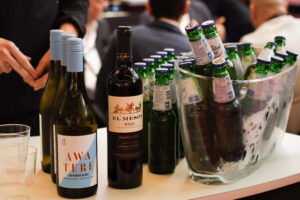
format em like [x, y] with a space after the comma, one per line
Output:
[75, 82]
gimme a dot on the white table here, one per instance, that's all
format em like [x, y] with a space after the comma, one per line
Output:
[281, 169]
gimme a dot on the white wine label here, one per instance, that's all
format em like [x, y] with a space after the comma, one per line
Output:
[54, 147]
[173, 91]
[41, 136]
[202, 51]
[266, 54]
[191, 92]
[162, 98]
[222, 89]
[258, 90]
[146, 88]
[77, 161]
[217, 47]
[125, 114]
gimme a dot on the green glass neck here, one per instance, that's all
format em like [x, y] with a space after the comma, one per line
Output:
[171, 73]
[161, 79]
[232, 54]
[270, 46]
[55, 69]
[247, 51]
[171, 56]
[195, 35]
[74, 83]
[275, 66]
[150, 68]
[141, 71]
[280, 42]
[210, 32]
[291, 59]
[157, 63]
[261, 68]
[220, 71]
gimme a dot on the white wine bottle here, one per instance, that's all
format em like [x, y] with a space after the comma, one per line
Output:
[75, 130]
[48, 97]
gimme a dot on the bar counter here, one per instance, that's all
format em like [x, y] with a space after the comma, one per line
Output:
[279, 170]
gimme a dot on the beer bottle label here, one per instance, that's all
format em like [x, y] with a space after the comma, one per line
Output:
[222, 89]
[202, 51]
[77, 161]
[191, 92]
[146, 88]
[162, 98]
[173, 91]
[266, 54]
[281, 49]
[41, 135]
[258, 90]
[217, 47]
[247, 61]
[125, 114]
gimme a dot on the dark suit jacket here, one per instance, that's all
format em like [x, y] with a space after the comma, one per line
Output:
[146, 40]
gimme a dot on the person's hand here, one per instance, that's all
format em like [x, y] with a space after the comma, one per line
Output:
[221, 28]
[44, 63]
[12, 58]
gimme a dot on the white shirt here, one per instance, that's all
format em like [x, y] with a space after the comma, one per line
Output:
[289, 27]
[92, 59]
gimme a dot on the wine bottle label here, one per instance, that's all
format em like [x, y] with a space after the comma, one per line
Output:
[217, 47]
[77, 161]
[146, 88]
[191, 92]
[202, 51]
[125, 114]
[54, 148]
[41, 135]
[173, 91]
[222, 89]
[162, 98]
[258, 90]
[266, 54]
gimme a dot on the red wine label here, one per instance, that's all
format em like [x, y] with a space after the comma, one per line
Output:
[223, 90]
[125, 114]
[77, 161]
[41, 136]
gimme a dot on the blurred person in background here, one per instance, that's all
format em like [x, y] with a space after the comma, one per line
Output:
[147, 39]
[24, 43]
[270, 18]
[236, 17]
[94, 42]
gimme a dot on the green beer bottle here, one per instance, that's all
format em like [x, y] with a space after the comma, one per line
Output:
[164, 56]
[280, 42]
[291, 58]
[76, 132]
[233, 55]
[48, 97]
[268, 51]
[198, 122]
[194, 64]
[57, 102]
[248, 58]
[256, 97]
[170, 67]
[171, 53]
[141, 69]
[157, 60]
[216, 45]
[150, 75]
[162, 127]
[201, 49]
[228, 114]
[274, 89]
[284, 57]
